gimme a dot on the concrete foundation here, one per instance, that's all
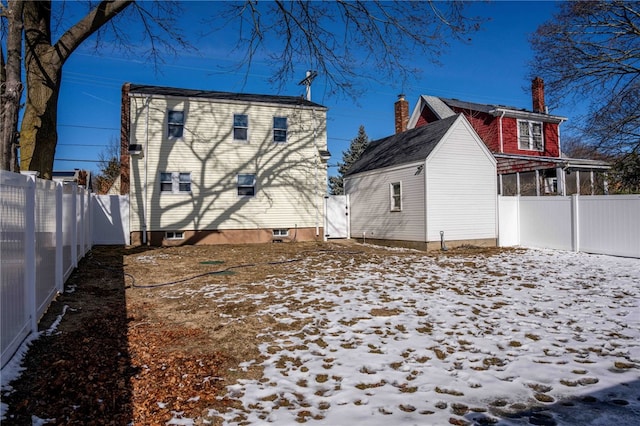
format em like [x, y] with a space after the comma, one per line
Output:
[430, 245]
[227, 236]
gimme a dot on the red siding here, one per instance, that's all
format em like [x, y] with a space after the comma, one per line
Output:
[488, 128]
[485, 125]
[510, 135]
[426, 117]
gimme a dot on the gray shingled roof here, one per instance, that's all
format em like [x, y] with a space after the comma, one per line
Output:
[487, 108]
[402, 148]
[210, 94]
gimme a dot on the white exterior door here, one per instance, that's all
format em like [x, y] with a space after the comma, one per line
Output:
[337, 216]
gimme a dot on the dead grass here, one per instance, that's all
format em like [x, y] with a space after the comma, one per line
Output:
[164, 324]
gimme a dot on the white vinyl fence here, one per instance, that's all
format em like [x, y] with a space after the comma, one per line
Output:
[603, 224]
[45, 228]
[110, 219]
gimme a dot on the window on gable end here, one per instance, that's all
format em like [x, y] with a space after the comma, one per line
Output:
[175, 182]
[279, 129]
[240, 127]
[395, 196]
[246, 185]
[530, 135]
[175, 121]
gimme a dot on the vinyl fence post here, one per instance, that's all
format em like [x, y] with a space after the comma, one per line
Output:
[59, 239]
[30, 252]
[74, 225]
[81, 234]
[575, 222]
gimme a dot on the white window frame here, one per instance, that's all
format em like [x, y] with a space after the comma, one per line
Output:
[280, 232]
[393, 205]
[174, 235]
[175, 124]
[176, 182]
[530, 139]
[246, 128]
[279, 130]
[240, 186]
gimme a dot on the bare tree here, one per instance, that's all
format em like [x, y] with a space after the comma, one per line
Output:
[591, 50]
[347, 41]
[11, 85]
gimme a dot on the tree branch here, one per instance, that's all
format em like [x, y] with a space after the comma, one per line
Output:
[92, 22]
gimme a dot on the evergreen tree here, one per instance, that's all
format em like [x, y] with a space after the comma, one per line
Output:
[109, 165]
[350, 156]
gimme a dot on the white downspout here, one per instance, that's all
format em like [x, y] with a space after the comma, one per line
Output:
[146, 157]
[316, 157]
[501, 139]
[426, 204]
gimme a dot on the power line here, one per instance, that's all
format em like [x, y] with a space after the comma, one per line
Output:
[88, 127]
[82, 144]
[78, 161]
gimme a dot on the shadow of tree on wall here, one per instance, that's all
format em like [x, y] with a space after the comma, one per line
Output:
[79, 372]
[290, 179]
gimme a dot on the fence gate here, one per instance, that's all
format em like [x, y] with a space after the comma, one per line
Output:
[337, 216]
[111, 219]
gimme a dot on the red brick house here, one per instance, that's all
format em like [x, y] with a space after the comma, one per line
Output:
[526, 144]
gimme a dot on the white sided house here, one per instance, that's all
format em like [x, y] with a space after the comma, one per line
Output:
[424, 184]
[205, 167]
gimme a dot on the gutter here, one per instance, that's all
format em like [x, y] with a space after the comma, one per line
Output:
[526, 115]
[501, 137]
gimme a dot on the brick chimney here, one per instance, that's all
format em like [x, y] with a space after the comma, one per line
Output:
[401, 108]
[537, 93]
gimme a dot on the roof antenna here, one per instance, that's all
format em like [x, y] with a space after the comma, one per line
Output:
[307, 82]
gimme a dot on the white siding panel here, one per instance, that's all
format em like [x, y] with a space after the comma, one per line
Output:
[370, 204]
[461, 188]
[291, 180]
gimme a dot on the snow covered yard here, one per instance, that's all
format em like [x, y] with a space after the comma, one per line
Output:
[521, 337]
[337, 334]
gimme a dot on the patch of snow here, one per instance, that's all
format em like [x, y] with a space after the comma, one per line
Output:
[13, 369]
[420, 340]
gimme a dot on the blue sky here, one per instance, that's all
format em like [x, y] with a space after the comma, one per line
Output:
[491, 68]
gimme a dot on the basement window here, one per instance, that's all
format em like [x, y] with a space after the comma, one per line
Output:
[174, 235]
[280, 232]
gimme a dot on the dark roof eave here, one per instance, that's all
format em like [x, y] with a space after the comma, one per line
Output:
[138, 89]
[527, 115]
[564, 162]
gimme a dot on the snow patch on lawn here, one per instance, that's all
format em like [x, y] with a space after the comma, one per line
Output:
[424, 340]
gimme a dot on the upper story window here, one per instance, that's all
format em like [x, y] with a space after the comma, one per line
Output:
[279, 129]
[175, 182]
[395, 195]
[175, 120]
[240, 127]
[247, 185]
[530, 135]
